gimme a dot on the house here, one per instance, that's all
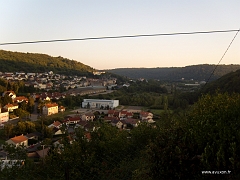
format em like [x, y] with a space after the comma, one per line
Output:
[4, 115]
[57, 131]
[119, 124]
[55, 124]
[146, 117]
[133, 122]
[20, 99]
[72, 120]
[18, 140]
[81, 124]
[34, 135]
[111, 113]
[10, 94]
[10, 107]
[49, 109]
[88, 117]
[109, 119]
[125, 114]
[61, 108]
[145, 114]
[43, 152]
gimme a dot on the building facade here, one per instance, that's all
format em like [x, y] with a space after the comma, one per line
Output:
[99, 103]
[4, 115]
[49, 109]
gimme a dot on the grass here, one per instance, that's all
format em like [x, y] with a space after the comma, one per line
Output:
[159, 111]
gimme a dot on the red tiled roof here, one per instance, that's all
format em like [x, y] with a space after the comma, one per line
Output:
[56, 123]
[51, 105]
[74, 119]
[19, 139]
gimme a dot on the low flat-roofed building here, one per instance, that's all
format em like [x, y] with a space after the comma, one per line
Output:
[98, 103]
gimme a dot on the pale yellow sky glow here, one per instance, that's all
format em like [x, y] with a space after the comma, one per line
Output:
[29, 21]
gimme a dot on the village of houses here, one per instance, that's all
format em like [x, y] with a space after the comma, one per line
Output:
[122, 118]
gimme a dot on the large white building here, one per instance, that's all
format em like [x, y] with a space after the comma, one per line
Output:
[98, 103]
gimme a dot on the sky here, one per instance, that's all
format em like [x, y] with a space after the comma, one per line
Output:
[31, 20]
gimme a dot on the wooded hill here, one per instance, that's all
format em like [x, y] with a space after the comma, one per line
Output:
[227, 83]
[31, 62]
[195, 72]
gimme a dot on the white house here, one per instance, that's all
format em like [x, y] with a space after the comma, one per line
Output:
[18, 140]
[98, 103]
[49, 109]
[88, 117]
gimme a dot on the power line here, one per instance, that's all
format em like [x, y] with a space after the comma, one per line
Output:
[222, 56]
[119, 37]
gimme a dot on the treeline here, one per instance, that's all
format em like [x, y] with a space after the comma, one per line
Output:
[31, 62]
[195, 72]
[151, 94]
[185, 146]
[227, 83]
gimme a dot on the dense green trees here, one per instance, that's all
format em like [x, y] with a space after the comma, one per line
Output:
[195, 72]
[30, 62]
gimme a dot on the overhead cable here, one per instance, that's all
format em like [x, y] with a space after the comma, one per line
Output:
[118, 37]
[222, 56]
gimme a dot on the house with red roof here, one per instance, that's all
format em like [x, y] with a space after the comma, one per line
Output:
[72, 120]
[20, 99]
[55, 124]
[10, 107]
[18, 140]
[50, 108]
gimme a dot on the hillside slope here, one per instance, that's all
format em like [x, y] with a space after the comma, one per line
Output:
[31, 62]
[195, 72]
[228, 83]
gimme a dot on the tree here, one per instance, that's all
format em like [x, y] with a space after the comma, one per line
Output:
[8, 130]
[214, 124]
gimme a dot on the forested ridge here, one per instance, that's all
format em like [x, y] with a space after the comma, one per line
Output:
[195, 72]
[33, 62]
[227, 83]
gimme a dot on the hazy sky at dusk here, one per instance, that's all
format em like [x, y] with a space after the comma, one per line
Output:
[29, 20]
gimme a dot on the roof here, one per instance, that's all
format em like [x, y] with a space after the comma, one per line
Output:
[56, 123]
[115, 121]
[123, 112]
[111, 111]
[33, 134]
[82, 123]
[42, 153]
[74, 119]
[131, 121]
[51, 105]
[10, 105]
[111, 118]
[89, 114]
[19, 139]
[21, 98]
